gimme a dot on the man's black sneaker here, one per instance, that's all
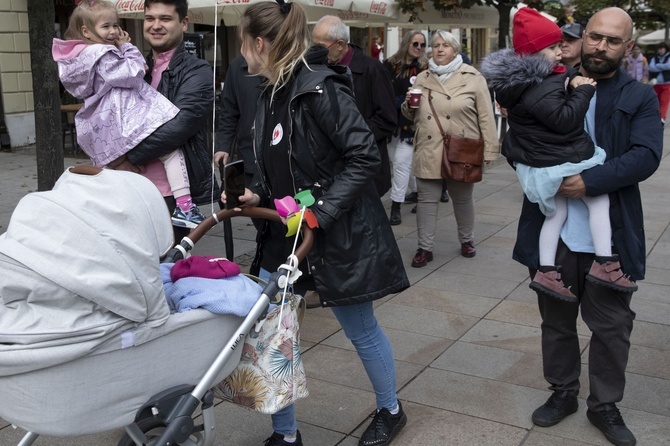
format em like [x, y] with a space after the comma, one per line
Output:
[610, 423]
[278, 440]
[383, 428]
[559, 405]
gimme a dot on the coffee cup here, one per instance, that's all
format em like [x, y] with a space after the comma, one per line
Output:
[414, 98]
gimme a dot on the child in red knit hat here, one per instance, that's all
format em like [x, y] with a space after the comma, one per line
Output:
[547, 141]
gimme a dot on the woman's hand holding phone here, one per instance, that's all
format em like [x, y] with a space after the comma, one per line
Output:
[246, 200]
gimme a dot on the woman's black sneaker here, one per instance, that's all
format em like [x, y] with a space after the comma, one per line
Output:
[383, 428]
[278, 440]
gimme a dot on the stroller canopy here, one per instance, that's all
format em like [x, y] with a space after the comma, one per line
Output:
[78, 265]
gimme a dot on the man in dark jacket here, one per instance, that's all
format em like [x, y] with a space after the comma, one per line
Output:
[627, 127]
[372, 87]
[238, 109]
[571, 46]
[187, 82]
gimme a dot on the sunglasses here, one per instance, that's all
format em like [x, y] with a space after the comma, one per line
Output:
[417, 45]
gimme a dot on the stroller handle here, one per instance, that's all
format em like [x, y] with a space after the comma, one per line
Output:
[196, 234]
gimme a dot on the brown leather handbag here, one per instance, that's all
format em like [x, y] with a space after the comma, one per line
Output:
[462, 158]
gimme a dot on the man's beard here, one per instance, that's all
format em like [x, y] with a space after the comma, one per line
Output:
[606, 65]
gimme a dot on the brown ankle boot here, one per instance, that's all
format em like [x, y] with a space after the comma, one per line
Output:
[550, 283]
[606, 271]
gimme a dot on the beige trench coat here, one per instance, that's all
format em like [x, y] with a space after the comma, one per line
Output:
[464, 105]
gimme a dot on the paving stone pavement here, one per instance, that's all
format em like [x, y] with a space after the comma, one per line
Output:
[466, 337]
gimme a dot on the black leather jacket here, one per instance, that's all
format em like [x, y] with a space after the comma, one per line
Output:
[355, 257]
[187, 83]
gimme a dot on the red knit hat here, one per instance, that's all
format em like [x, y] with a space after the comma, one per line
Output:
[533, 32]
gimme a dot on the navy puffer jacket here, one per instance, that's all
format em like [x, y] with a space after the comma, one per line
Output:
[546, 123]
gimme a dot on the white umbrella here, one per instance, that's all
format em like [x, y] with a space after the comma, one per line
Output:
[209, 11]
[653, 37]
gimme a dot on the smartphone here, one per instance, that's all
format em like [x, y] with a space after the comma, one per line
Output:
[233, 183]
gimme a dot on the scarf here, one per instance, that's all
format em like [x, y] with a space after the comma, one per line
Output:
[444, 71]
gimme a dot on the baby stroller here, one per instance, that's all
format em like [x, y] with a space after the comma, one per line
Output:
[87, 342]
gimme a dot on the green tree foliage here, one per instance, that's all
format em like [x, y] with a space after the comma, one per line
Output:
[647, 14]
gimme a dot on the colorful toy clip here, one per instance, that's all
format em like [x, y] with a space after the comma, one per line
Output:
[286, 207]
[305, 198]
[289, 211]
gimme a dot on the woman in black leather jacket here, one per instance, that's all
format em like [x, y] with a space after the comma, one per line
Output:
[309, 134]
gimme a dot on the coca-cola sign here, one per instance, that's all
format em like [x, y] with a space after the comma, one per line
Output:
[353, 15]
[130, 5]
[378, 8]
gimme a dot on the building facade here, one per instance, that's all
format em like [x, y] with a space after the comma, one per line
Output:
[17, 120]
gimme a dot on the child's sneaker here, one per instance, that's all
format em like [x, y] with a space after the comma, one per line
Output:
[550, 283]
[189, 219]
[606, 271]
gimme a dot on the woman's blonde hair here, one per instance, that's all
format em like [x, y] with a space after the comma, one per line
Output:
[449, 38]
[86, 14]
[286, 28]
[401, 56]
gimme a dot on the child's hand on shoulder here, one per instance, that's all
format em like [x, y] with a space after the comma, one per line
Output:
[582, 80]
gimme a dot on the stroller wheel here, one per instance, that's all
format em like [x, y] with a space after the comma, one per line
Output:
[153, 428]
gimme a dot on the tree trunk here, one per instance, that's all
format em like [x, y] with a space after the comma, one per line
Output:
[504, 10]
[48, 140]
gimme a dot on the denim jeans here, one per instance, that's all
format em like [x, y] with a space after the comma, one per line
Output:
[373, 347]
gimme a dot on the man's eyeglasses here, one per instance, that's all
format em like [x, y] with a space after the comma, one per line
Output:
[613, 43]
[328, 46]
[417, 45]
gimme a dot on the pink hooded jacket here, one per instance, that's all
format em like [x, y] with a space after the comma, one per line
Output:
[120, 108]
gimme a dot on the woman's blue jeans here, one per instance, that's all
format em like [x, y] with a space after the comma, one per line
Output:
[373, 347]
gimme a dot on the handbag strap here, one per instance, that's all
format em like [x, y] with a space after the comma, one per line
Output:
[446, 139]
[437, 118]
